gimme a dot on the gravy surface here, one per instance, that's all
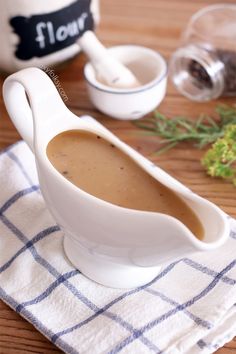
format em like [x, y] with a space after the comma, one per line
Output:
[101, 169]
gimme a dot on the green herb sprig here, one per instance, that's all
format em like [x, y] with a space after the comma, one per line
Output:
[201, 132]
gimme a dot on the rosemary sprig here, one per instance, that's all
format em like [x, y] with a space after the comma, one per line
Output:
[201, 132]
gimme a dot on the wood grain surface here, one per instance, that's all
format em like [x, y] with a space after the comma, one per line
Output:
[156, 24]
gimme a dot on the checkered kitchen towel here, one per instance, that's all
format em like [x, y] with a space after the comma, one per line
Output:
[188, 308]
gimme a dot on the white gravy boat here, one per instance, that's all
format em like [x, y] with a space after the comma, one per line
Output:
[115, 246]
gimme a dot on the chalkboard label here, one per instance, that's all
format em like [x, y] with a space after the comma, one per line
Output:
[40, 35]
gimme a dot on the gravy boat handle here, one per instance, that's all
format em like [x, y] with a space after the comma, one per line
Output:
[31, 90]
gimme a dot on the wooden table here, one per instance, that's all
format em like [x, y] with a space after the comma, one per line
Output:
[156, 24]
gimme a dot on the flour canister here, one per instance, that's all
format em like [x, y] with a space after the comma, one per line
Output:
[43, 33]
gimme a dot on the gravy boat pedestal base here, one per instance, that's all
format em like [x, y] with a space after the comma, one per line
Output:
[105, 272]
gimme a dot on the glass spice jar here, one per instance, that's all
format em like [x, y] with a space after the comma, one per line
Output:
[204, 67]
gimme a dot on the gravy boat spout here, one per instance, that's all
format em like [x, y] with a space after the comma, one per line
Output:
[115, 246]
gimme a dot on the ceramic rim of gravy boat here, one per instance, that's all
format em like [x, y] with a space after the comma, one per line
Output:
[97, 129]
[99, 261]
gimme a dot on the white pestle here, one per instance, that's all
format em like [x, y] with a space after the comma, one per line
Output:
[108, 69]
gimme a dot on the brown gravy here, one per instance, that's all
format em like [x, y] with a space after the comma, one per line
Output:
[99, 168]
